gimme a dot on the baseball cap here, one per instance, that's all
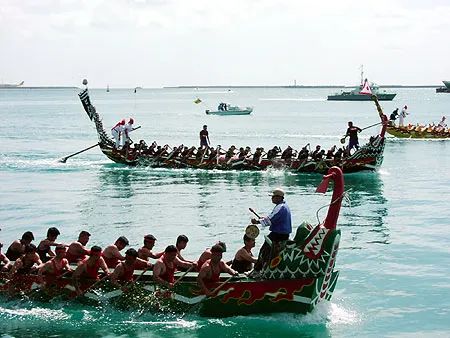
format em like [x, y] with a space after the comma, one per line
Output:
[278, 192]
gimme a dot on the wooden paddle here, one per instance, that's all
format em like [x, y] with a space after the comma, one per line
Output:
[183, 275]
[64, 159]
[254, 212]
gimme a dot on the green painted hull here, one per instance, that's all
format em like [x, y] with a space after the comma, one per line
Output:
[403, 133]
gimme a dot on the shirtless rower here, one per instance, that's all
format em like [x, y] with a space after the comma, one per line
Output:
[181, 244]
[55, 267]
[44, 248]
[28, 262]
[89, 267]
[112, 254]
[165, 267]
[17, 248]
[124, 271]
[146, 251]
[243, 260]
[207, 255]
[210, 272]
[77, 250]
[5, 264]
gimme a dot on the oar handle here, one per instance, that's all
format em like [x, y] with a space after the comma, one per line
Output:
[373, 125]
[254, 212]
[182, 276]
[136, 128]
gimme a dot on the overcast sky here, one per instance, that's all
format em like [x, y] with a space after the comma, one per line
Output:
[155, 43]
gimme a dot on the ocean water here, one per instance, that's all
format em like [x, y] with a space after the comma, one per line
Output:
[394, 255]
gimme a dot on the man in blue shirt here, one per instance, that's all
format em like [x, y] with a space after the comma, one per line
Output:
[280, 226]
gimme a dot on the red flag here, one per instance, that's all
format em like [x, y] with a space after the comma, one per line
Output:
[366, 89]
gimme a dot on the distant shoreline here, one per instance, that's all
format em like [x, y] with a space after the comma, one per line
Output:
[223, 87]
[300, 87]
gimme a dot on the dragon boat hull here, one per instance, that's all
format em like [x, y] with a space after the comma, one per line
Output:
[367, 158]
[405, 133]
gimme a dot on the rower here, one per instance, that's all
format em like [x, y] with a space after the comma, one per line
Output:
[207, 255]
[56, 266]
[287, 153]
[77, 250]
[315, 153]
[210, 271]
[243, 260]
[181, 244]
[330, 153]
[112, 254]
[89, 267]
[146, 251]
[124, 271]
[257, 156]
[27, 263]
[44, 248]
[165, 267]
[17, 248]
[303, 153]
[5, 263]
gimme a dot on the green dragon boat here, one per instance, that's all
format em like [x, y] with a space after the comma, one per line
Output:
[295, 280]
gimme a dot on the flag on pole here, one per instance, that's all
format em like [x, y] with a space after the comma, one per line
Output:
[366, 89]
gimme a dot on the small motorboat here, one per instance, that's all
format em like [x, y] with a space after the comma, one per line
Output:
[226, 109]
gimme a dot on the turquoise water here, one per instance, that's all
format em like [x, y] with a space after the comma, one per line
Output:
[394, 253]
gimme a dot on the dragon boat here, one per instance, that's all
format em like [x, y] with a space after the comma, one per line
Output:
[296, 279]
[418, 132]
[368, 157]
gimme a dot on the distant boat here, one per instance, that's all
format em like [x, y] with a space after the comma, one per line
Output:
[226, 109]
[445, 89]
[7, 85]
[107, 88]
[354, 94]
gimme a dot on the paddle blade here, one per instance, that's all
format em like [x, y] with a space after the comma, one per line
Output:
[63, 160]
[322, 188]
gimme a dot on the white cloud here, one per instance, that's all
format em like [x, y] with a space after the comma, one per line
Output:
[156, 43]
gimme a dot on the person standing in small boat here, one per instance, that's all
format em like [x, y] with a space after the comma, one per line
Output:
[204, 137]
[442, 125]
[280, 226]
[402, 116]
[117, 132]
[352, 133]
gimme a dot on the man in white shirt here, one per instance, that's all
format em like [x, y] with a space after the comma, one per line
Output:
[402, 116]
[117, 131]
[127, 129]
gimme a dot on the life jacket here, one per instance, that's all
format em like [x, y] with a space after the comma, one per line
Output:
[169, 275]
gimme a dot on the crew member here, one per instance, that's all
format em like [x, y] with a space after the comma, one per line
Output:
[146, 251]
[112, 254]
[89, 267]
[210, 271]
[402, 116]
[165, 267]
[127, 129]
[55, 267]
[77, 251]
[204, 137]
[243, 260]
[5, 264]
[117, 132]
[44, 248]
[17, 248]
[279, 223]
[124, 271]
[352, 133]
[207, 255]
